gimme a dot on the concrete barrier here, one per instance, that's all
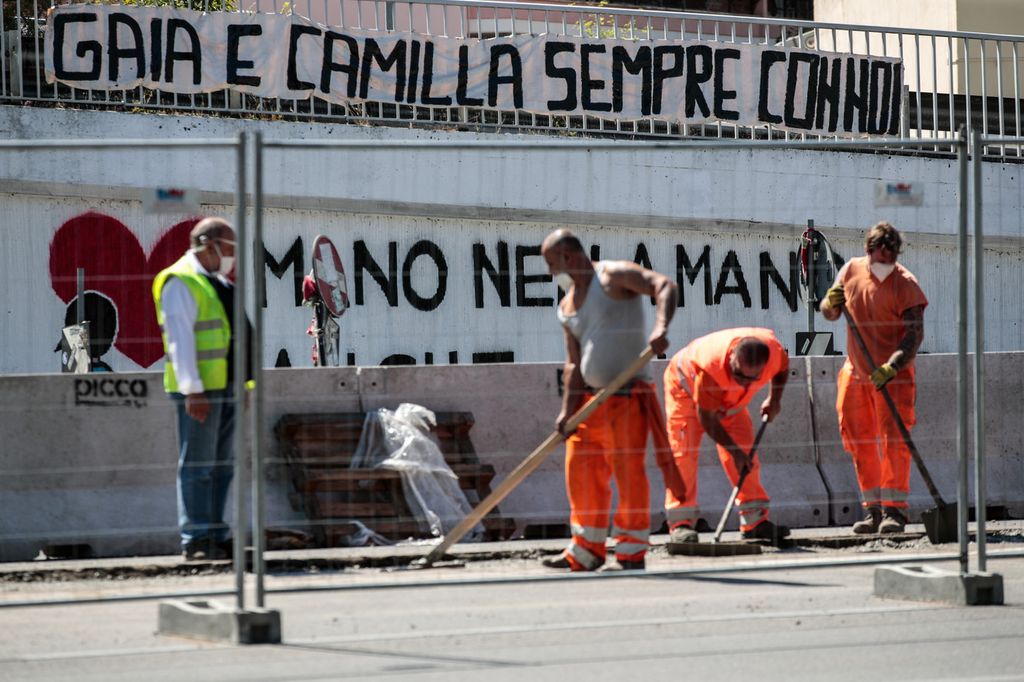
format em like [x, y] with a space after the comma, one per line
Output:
[935, 434]
[91, 460]
[87, 460]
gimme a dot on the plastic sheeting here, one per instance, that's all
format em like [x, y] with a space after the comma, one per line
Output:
[399, 440]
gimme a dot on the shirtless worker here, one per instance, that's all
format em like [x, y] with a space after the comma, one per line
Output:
[602, 315]
[708, 386]
[887, 305]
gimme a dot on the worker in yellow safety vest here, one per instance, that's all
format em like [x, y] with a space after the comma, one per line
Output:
[194, 300]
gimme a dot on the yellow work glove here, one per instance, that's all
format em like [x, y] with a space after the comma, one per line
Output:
[883, 375]
[835, 296]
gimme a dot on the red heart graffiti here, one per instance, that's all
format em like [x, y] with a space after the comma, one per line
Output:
[116, 266]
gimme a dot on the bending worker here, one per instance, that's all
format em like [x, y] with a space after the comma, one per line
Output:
[887, 305]
[602, 315]
[708, 386]
[194, 307]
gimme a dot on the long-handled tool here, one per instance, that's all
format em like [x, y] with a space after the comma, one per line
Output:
[528, 465]
[940, 523]
[740, 481]
[716, 548]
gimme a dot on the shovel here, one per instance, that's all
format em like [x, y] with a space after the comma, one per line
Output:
[716, 548]
[528, 465]
[940, 523]
[739, 482]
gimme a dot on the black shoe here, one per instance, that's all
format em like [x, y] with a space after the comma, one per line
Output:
[624, 565]
[205, 550]
[561, 562]
[192, 553]
[766, 530]
[227, 548]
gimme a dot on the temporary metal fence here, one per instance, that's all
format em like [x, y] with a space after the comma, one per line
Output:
[968, 150]
[953, 78]
[237, 145]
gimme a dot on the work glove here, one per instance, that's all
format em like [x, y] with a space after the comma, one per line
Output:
[835, 296]
[883, 375]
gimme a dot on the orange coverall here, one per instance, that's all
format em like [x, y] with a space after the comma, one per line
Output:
[864, 418]
[699, 375]
[612, 442]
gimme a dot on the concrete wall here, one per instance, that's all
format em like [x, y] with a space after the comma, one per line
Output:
[743, 210]
[86, 462]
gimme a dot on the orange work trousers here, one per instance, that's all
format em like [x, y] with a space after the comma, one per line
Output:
[685, 434]
[871, 436]
[611, 443]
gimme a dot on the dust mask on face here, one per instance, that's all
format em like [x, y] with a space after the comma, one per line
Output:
[882, 270]
[564, 281]
[227, 263]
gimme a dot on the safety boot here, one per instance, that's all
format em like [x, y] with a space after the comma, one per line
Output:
[623, 565]
[869, 524]
[561, 562]
[893, 521]
[766, 530]
[683, 534]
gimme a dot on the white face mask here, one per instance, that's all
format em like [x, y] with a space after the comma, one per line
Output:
[564, 281]
[882, 270]
[227, 263]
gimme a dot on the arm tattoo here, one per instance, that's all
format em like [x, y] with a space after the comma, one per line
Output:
[913, 334]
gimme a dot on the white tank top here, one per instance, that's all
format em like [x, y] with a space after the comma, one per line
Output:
[611, 333]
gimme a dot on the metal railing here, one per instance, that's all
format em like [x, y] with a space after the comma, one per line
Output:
[951, 78]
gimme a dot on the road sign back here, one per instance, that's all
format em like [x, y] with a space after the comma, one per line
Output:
[330, 276]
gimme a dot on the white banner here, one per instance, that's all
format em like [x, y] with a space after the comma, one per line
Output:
[110, 47]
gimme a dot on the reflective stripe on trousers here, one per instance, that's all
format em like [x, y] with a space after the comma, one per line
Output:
[682, 516]
[752, 513]
[872, 497]
[630, 545]
[586, 559]
[590, 534]
[685, 434]
[872, 437]
[612, 442]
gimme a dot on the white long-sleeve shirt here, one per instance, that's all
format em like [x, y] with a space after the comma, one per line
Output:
[180, 312]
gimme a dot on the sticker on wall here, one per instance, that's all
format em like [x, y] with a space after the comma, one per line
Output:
[898, 194]
[170, 200]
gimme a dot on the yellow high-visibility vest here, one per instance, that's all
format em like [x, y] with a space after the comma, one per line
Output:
[212, 328]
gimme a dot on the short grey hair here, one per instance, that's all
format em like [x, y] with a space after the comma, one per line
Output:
[208, 229]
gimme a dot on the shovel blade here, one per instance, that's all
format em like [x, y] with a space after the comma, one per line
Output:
[712, 548]
[940, 524]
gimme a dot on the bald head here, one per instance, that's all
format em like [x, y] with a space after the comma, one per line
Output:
[211, 229]
[562, 239]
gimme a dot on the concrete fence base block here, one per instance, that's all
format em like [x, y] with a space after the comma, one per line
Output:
[927, 583]
[219, 622]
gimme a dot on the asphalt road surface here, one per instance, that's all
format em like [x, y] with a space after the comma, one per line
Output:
[685, 619]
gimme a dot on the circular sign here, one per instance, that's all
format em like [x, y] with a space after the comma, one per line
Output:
[329, 275]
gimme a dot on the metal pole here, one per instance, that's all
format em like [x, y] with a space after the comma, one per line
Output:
[259, 281]
[80, 300]
[812, 280]
[979, 351]
[961, 353]
[238, 330]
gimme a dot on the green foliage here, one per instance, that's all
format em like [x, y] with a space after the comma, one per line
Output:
[19, 16]
[603, 25]
[198, 5]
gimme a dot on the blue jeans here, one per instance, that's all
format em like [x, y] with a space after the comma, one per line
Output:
[205, 468]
